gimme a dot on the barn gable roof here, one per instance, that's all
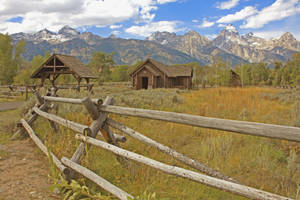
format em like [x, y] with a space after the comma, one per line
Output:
[71, 62]
[170, 71]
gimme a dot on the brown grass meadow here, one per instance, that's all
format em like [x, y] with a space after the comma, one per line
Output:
[268, 164]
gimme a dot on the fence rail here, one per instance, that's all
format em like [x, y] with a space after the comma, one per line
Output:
[15, 91]
[242, 127]
[64, 122]
[191, 175]
[101, 126]
[43, 148]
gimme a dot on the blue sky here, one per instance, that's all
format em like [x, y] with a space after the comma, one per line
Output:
[139, 18]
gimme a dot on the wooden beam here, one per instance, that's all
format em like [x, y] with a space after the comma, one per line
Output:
[167, 150]
[26, 93]
[54, 62]
[56, 66]
[95, 127]
[243, 127]
[64, 122]
[42, 81]
[137, 82]
[43, 148]
[44, 107]
[235, 188]
[70, 100]
[78, 87]
[120, 194]
[57, 72]
[63, 100]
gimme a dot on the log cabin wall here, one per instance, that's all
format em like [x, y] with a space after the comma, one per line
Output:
[181, 82]
[144, 73]
[152, 74]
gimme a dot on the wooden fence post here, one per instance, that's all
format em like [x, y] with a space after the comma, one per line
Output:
[99, 120]
[26, 93]
[54, 126]
[44, 106]
[21, 131]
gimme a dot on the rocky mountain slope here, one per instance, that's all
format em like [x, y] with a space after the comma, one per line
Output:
[127, 51]
[194, 45]
[255, 49]
[163, 46]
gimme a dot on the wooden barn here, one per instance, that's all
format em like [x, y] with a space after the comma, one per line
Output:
[153, 74]
[59, 64]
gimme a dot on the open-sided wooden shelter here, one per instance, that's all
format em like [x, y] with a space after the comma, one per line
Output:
[59, 64]
[153, 74]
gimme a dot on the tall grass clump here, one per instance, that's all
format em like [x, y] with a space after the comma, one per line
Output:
[267, 164]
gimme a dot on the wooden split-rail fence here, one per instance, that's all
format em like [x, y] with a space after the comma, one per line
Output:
[15, 91]
[101, 125]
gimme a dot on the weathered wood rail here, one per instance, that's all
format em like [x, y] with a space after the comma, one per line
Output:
[15, 91]
[242, 127]
[99, 111]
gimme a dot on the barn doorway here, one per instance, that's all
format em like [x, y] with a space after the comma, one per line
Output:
[145, 83]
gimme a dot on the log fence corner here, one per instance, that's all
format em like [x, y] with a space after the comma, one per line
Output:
[102, 124]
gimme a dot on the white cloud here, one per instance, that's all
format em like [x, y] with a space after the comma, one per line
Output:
[195, 20]
[206, 24]
[115, 32]
[268, 34]
[165, 1]
[211, 36]
[54, 14]
[274, 34]
[280, 9]
[244, 13]
[228, 4]
[148, 29]
[114, 26]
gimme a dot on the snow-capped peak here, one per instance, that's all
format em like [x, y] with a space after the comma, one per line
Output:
[250, 34]
[44, 34]
[64, 34]
[69, 31]
[231, 28]
[45, 31]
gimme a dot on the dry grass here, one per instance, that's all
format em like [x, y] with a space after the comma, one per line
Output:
[268, 164]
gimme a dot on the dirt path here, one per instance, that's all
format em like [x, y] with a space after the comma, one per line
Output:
[10, 105]
[24, 172]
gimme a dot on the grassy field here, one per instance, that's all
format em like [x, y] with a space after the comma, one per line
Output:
[268, 164]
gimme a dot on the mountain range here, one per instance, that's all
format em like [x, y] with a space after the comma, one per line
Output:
[166, 47]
